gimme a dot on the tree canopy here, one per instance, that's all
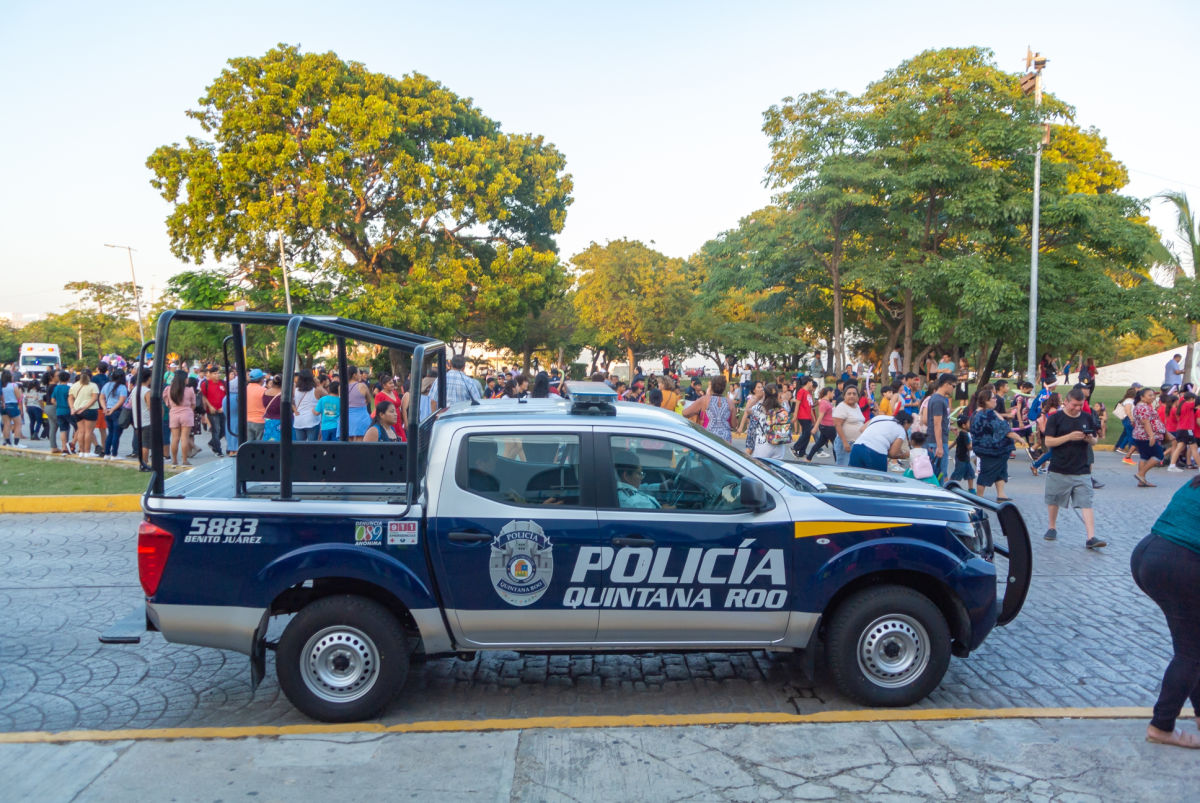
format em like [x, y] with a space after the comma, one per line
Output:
[415, 206]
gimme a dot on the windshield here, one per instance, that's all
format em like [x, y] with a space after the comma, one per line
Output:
[42, 359]
[791, 479]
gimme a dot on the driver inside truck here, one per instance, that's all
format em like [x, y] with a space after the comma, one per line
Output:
[630, 491]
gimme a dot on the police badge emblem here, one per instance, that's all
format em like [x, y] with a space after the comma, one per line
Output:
[522, 563]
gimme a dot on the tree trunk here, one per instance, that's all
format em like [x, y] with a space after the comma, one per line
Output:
[985, 373]
[908, 331]
[629, 356]
[1189, 355]
[401, 363]
[527, 357]
[893, 338]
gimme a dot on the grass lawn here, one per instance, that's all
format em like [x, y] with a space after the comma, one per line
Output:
[25, 476]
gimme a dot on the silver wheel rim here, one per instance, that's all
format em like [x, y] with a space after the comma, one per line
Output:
[339, 664]
[893, 650]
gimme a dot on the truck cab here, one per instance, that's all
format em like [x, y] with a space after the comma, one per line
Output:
[569, 524]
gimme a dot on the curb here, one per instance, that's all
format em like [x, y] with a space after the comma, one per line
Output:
[73, 503]
[584, 721]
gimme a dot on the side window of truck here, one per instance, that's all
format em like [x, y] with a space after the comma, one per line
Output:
[658, 474]
[522, 468]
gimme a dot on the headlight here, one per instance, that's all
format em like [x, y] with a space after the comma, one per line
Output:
[974, 535]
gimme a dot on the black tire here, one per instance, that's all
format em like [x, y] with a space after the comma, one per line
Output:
[342, 659]
[904, 643]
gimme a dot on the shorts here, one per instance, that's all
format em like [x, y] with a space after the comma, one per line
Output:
[87, 415]
[1185, 436]
[64, 421]
[1148, 451]
[12, 410]
[1073, 488]
[144, 436]
[963, 470]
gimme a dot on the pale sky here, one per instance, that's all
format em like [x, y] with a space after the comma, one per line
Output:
[657, 106]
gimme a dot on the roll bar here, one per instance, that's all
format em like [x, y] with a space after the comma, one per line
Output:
[420, 347]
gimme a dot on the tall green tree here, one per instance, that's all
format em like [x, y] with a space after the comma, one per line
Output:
[418, 203]
[918, 195]
[1184, 297]
[632, 294]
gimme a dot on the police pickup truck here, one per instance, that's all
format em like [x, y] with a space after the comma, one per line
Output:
[569, 525]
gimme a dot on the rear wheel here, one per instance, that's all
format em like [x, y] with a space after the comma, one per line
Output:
[888, 646]
[342, 659]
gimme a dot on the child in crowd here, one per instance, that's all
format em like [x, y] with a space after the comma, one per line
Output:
[920, 465]
[329, 409]
[963, 470]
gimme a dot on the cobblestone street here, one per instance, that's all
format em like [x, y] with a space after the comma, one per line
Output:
[1087, 637]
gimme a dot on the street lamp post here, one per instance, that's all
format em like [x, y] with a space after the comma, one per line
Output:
[1033, 82]
[137, 298]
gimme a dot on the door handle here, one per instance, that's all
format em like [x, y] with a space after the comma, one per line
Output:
[462, 537]
[632, 540]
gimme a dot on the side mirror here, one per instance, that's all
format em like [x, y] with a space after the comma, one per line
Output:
[754, 495]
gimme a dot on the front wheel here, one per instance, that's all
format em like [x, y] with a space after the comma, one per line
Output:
[888, 646]
[342, 659]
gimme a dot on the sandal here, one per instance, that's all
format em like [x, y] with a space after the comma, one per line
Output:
[1176, 738]
[1003, 498]
[1143, 484]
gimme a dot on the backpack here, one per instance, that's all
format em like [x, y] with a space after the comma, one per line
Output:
[779, 426]
[920, 423]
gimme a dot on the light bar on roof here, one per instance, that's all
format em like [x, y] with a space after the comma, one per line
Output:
[591, 393]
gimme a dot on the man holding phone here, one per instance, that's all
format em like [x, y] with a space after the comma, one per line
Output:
[1069, 434]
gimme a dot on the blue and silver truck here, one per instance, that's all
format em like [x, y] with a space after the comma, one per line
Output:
[573, 524]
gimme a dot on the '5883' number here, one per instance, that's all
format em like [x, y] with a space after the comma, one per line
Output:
[203, 525]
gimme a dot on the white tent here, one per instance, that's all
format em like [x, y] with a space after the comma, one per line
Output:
[1150, 371]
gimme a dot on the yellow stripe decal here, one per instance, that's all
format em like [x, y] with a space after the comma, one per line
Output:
[628, 721]
[808, 529]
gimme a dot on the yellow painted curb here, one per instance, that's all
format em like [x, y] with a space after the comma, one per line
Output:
[629, 721]
[72, 503]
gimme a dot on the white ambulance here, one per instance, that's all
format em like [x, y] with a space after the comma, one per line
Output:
[37, 358]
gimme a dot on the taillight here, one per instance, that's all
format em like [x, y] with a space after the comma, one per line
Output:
[154, 544]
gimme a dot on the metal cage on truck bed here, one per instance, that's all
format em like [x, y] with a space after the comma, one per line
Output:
[281, 465]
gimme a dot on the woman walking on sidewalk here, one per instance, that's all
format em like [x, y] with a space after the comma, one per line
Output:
[14, 409]
[181, 415]
[1147, 436]
[1166, 566]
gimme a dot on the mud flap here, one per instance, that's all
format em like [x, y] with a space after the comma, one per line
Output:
[258, 653]
[128, 629]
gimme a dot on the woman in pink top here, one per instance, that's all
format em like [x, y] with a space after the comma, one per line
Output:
[825, 426]
[181, 402]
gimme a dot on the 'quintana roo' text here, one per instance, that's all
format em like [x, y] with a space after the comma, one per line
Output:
[629, 567]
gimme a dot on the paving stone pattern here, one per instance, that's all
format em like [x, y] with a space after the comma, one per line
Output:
[1087, 637]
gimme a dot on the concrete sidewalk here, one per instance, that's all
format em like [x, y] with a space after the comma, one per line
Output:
[1014, 759]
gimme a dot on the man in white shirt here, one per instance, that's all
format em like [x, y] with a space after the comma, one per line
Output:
[884, 436]
[895, 364]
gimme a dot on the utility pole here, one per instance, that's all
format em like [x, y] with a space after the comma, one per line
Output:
[1032, 82]
[283, 265]
[137, 298]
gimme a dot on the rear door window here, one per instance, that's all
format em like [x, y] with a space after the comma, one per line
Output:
[522, 468]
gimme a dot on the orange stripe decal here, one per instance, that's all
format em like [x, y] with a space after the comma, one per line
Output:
[809, 529]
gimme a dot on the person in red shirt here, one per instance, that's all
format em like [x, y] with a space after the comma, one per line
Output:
[212, 391]
[389, 393]
[802, 414]
[1183, 416]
